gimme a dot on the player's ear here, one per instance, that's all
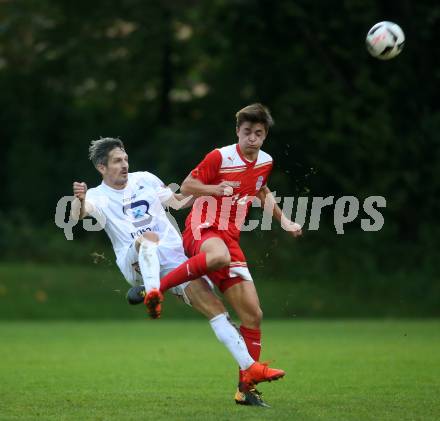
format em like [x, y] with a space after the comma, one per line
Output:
[101, 168]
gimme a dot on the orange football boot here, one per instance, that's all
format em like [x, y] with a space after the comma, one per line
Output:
[153, 302]
[261, 372]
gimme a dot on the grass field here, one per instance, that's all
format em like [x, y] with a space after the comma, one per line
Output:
[169, 370]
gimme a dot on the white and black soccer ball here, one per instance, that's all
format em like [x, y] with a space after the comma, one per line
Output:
[385, 40]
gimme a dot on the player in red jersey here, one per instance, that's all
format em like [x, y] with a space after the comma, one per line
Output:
[225, 184]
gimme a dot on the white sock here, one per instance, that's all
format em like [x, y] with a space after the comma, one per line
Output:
[149, 265]
[229, 336]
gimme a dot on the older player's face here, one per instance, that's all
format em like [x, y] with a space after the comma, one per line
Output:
[250, 138]
[115, 173]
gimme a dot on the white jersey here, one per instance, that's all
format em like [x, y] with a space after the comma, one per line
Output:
[128, 213]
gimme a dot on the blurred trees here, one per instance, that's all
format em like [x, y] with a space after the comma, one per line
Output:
[168, 77]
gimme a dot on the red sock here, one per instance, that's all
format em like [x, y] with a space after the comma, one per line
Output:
[191, 269]
[252, 338]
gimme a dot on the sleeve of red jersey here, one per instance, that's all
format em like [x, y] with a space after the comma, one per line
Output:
[208, 169]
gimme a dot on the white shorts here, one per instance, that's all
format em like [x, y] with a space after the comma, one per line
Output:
[169, 259]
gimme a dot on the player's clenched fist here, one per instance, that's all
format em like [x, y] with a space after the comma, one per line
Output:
[79, 190]
[292, 227]
[223, 189]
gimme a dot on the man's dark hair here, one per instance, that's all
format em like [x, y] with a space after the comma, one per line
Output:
[100, 149]
[255, 113]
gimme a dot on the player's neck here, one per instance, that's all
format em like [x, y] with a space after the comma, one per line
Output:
[115, 186]
[250, 156]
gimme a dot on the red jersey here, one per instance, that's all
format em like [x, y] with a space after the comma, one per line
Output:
[227, 213]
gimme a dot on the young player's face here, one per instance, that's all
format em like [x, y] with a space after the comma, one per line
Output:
[115, 173]
[251, 137]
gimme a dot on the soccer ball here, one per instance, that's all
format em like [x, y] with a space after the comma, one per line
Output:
[385, 40]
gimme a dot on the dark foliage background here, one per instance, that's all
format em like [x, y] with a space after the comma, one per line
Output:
[168, 76]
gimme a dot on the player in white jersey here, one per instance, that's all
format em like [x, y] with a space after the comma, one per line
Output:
[130, 207]
[131, 212]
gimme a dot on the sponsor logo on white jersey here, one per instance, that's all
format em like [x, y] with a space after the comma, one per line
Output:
[137, 213]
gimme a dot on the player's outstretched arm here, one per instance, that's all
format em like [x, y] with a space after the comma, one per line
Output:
[269, 204]
[179, 201]
[80, 208]
[193, 186]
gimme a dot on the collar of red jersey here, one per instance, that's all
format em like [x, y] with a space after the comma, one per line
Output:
[243, 158]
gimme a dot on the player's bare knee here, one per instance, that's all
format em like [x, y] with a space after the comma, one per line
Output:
[218, 260]
[259, 316]
[152, 236]
[253, 319]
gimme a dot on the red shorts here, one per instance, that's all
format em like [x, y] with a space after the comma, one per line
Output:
[225, 277]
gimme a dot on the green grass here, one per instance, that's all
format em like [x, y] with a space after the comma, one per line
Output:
[176, 370]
